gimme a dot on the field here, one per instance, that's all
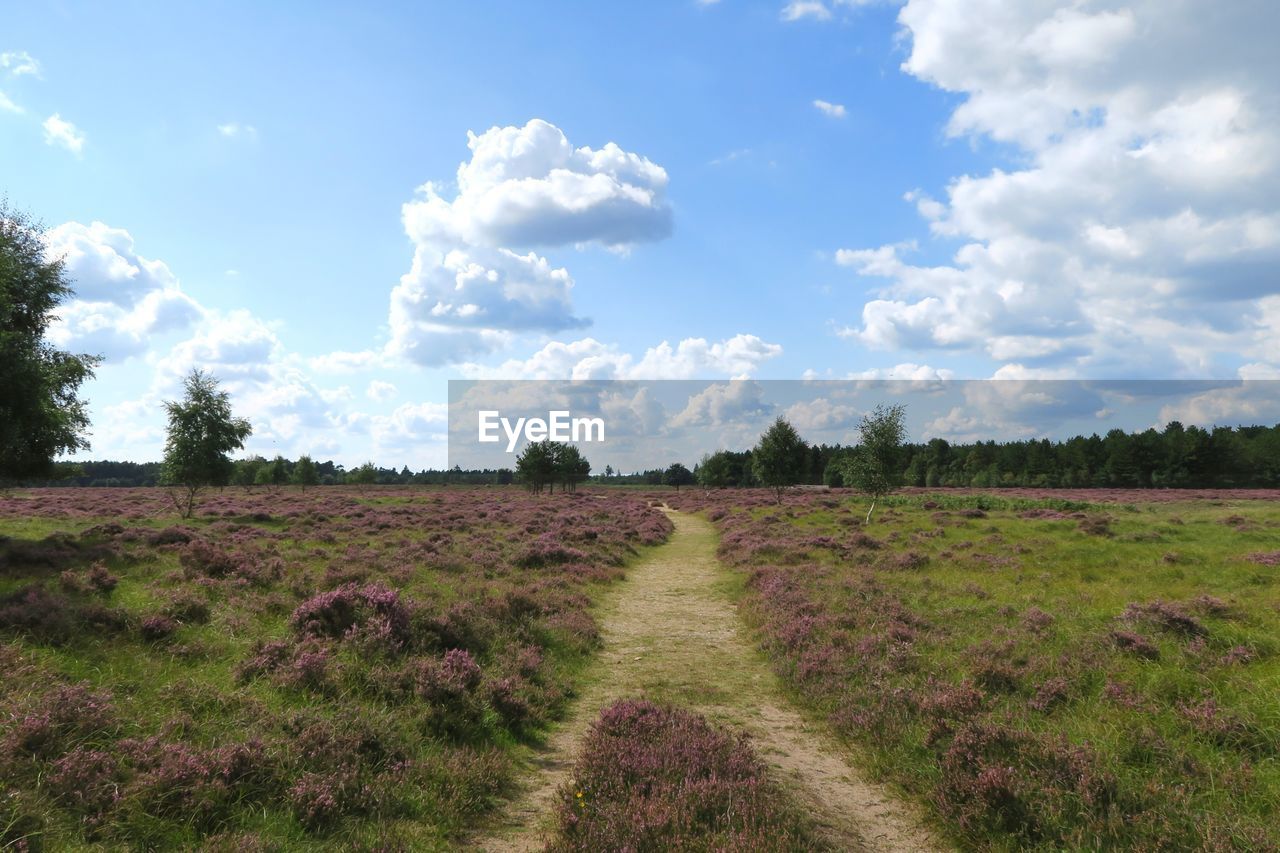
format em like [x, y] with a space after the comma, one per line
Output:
[287, 669]
[452, 667]
[1042, 672]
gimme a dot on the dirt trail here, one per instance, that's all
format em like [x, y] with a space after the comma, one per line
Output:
[671, 633]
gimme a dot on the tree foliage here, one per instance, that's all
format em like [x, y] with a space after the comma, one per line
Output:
[41, 414]
[874, 466]
[677, 475]
[780, 459]
[542, 464]
[304, 473]
[202, 431]
[365, 475]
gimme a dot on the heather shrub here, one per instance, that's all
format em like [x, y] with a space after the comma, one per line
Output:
[57, 721]
[87, 781]
[187, 606]
[653, 777]
[416, 655]
[154, 628]
[100, 579]
[962, 677]
[373, 610]
[44, 616]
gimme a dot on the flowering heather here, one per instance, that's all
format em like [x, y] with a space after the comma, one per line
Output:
[654, 777]
[288, 668]
[1043, 676]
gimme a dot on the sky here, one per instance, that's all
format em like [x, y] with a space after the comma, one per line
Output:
[336, 209]
[638, 425]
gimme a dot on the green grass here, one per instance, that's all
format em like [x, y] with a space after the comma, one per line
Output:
[974, 592]
[186, 689]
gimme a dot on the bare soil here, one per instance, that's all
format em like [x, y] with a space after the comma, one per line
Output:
[671, 633]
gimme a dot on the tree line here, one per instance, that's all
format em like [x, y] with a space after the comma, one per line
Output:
[42, 416]
[1176, 457]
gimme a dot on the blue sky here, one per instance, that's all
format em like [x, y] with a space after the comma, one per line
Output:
[1022, 190]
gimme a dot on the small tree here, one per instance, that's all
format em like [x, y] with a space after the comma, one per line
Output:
[41, 415]
[874, 466]
[713, 471]
[277, 472]
[780, 457]
[571, 466]
[246, 472]
[202, 431]
[365, 475]
[304, 473]
[536, 465]
[677, 475]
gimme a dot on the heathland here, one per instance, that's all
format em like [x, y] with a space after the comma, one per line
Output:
[399, 668]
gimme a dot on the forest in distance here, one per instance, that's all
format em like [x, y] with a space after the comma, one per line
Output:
[1176, 457]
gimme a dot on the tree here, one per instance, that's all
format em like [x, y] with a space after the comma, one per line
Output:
[780, 458]
[304, 473]
[246, 472]
[202, 431]
[41, 415]
[571, 466]
[677, 475]
[365, 475]
[874, 466]
[277, 472]
[536, 465]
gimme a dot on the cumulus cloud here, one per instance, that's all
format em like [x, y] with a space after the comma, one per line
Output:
[829, 109]
[527, 186]
[465, 302]
[18, 62]
[588, 358]
[475, 283]
[1137, 232]
[121, 299]
[60, 132]
[416, 430]
[821, 415]
[905, 372]
[7, 105]
[380, 391]
[739, 403]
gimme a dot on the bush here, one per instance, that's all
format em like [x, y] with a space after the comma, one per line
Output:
[651, 777]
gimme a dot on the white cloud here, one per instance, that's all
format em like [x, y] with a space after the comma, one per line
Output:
[1139, 233]
[380, 391]
[739, 403]
[906, 372]
[346, 362]
[829, 109]
[18, 63]
[7, 105]
[417, 430]
[527, 186]
[233, 129]
[474, 285]
[59, 131]
[800, 9]
[821, 415]
[588, 358]
[121, 299]
[466, 302]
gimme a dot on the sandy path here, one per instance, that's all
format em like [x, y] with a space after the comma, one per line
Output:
[670, 633]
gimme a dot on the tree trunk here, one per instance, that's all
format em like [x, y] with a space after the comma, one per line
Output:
[873, 509]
